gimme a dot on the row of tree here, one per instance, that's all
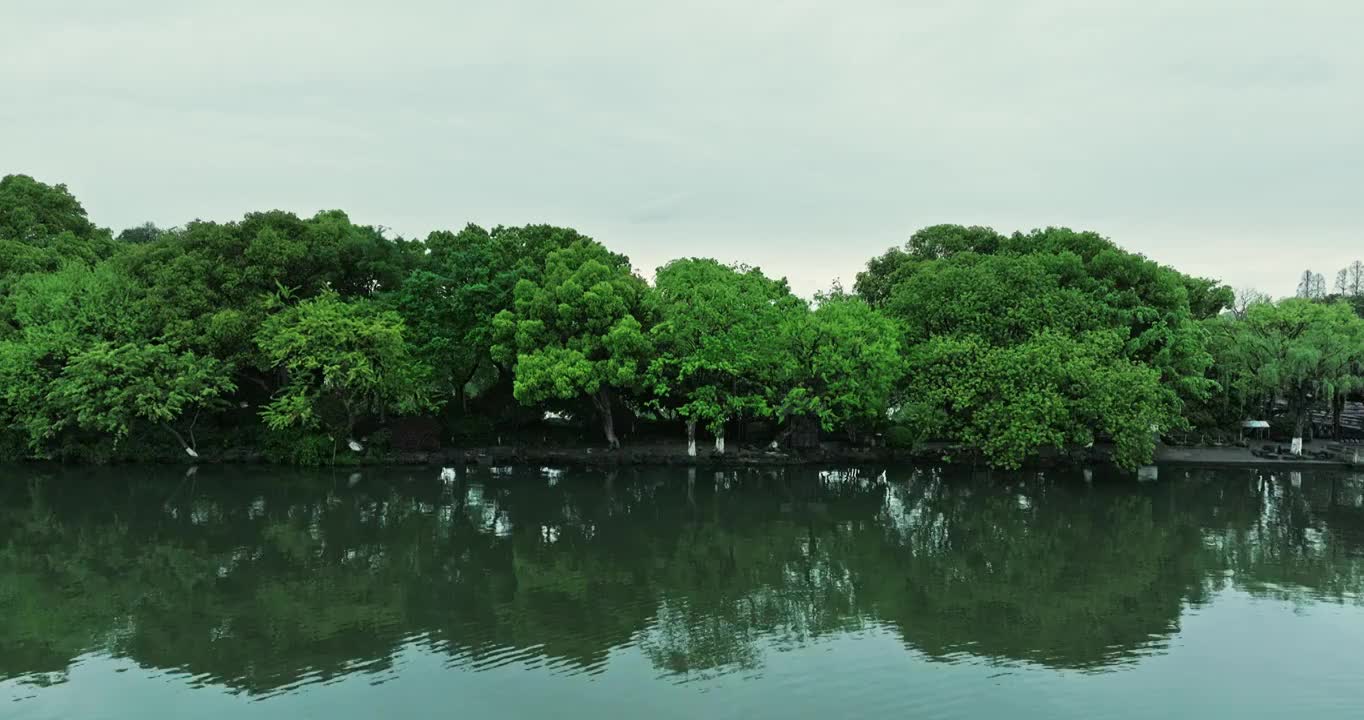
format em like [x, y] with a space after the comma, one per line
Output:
[299, 335]
[312, 330]
[1349, 283]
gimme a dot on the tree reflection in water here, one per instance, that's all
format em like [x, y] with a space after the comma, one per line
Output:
[261, 579]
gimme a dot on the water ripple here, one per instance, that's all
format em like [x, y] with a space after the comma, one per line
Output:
[888, 591]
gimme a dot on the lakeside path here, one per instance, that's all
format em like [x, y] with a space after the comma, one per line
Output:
[1171, 455]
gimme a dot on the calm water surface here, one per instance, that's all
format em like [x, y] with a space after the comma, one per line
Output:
[538, 592]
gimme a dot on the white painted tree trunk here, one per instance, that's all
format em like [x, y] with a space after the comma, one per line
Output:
[720, 441]
[1296, 447]
[691, 438]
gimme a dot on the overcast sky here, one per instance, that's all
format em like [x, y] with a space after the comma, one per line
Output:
[1224, 137]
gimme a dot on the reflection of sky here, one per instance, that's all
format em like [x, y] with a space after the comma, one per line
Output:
[1298, 662]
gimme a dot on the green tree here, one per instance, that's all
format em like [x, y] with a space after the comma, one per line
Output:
[144, 233]
[32, 212]
[449, 301]
[441, 332]
[109, 388]
[983, 298]
[716, 345]
[83, 359]
[55, 318]
[876, 285]
[43, 227]
[1299, 351]
[1009, 402]
[841, 363]
[578, 332]
[466, 278]
[209, 284]
[1155, 308]
[346, 355]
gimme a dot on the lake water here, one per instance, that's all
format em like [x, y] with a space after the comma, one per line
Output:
[667, 593]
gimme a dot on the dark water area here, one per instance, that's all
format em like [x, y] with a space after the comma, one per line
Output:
[525, 592]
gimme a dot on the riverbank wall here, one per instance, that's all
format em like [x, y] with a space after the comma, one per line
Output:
[826, 454]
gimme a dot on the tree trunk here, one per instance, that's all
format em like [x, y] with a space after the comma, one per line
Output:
[1301, 420]
[350, 414]
[1337, 407]
[192, 451]
[602, 401]
[781, 437]
[256, 380]
[691, 438]
[459, 389]
[720, 439]
[608, 426]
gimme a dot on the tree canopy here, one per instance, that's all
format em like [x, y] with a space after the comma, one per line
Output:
[1037, 339]
[277, 331]
[842, 364]
[717, 347]
[579, 331]
[1297, 351]
[351, 354]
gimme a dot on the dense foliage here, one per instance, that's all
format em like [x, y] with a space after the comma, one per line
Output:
[1297, 352]
[718, 348]
[349, 353]
[1048, 339]
[577, 332]
[306, 338]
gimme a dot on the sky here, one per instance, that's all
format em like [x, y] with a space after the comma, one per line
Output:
[1222, 137]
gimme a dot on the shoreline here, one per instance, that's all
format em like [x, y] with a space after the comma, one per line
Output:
[670, 454]
[1203, 456]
